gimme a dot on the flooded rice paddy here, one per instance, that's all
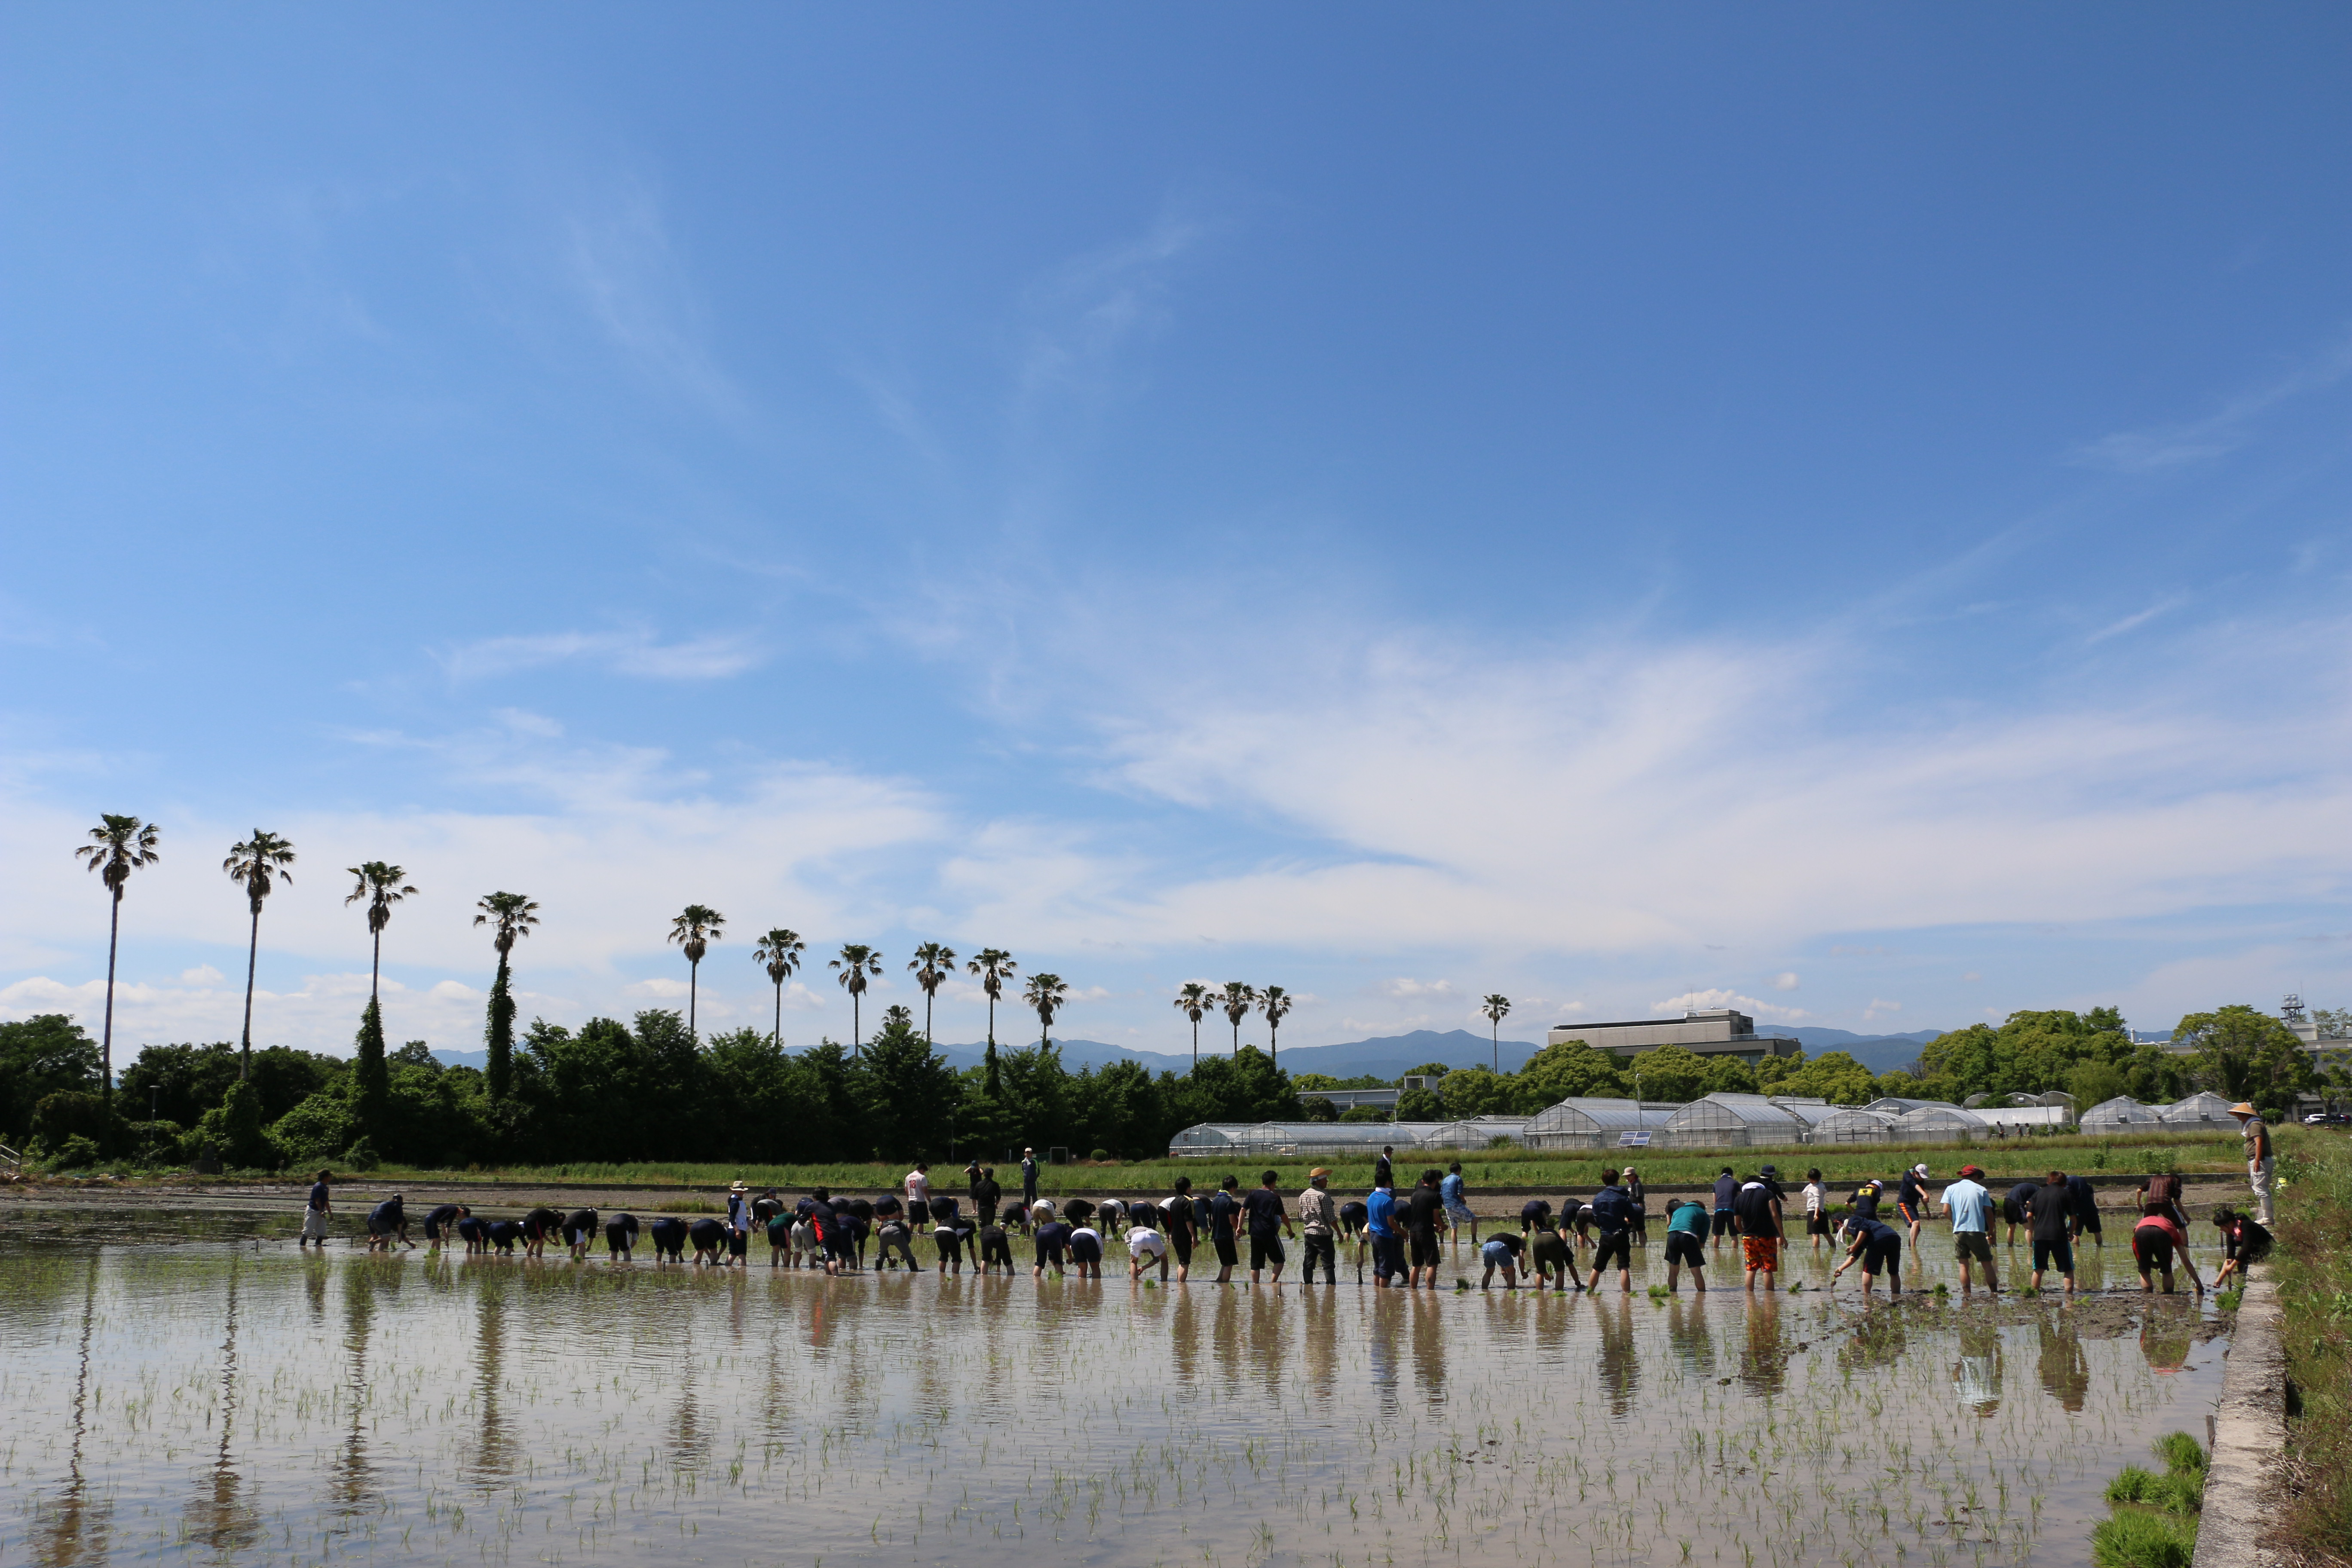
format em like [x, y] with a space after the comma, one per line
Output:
[226, 1399]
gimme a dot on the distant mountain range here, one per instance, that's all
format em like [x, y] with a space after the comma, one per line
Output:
[1390, 1056]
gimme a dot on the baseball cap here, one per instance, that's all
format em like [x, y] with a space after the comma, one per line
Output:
[1971, 1170]
[1771, 1170]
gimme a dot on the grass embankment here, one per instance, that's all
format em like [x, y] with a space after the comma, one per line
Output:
[2153, 1521]
[2315, 1277]
[2006, 1162]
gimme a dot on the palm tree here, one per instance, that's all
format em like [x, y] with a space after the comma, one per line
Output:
[695, 929]
[117, 847]
[1237, 1000]
[1496, 1008]
[857, 961]
[381, 886]
[781, 952]
[934, 964]
[510, 917]
[1045, 993]
[256, 865]
[995, 966]
[1192, 1001]
[1275, 1003]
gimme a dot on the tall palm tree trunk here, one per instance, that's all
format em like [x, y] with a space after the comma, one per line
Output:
[106, 1045]
[252, 957]
[1495, 1037]
[780, 1014]
[928, 1000]
[376, 966]
[856, 1029]
[991, 1019]
[1196, 1045]
[1273, 1043]
[693, 984]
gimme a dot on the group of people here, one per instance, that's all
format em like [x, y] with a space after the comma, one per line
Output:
[1401, 1234]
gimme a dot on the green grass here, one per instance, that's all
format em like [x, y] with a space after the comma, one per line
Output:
[2153, 1519]
[2314, 1269]
[1579, 1170]
[2133, 1538]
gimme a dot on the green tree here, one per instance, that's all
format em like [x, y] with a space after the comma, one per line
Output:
[1570, 1069]
[934, 966]
[1045, 994]
[779, 953]
[1476, 1091]
[905, 1091]
[2240, 1053]
[1730, 1075]
[1420, 1105]
[41, 1055]
[1237, 999]
[1192, 1001]
[510, 917]
[1498, 1007]
[371, 1080]
[1833, 1076]
[1275, 1003]
[993, 966]
[118, 846]
[694, 929]
[2095, 1083]
[382, 886]
[1670, 1073]
[256, 866]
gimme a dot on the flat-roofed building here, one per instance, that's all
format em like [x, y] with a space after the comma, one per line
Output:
[1717, 1032]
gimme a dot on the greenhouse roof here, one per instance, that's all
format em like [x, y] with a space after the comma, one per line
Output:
[1936, 1115]
[2198, 1107]
[1721, 1110]
[1894, 1106]
[2123, 1108]
[1807, 1111]
[1583, 1115]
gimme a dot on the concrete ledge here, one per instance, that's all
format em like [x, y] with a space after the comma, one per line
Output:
[2247, 1435]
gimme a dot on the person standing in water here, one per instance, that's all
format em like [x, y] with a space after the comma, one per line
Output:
[1879, 1247]
[1911, 1201]
[1726, 1193]
[2154, 1240]
[1687, 1224]
[1266, 1217]
[314, 1214]
[1612, 1215]
[1759, 1212]
[1318, 1218]
[1639, 1196]
[1817, 1209]
[1458, 1213]
[1970, 1204]
[2051, 1209]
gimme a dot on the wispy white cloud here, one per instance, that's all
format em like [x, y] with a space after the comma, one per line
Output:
[1784, 981]
[626, 270]
[1708, 1000]
[635, 652]
[1402, 988]
[1880, 1008]
[2135, 621]
[2224, 431]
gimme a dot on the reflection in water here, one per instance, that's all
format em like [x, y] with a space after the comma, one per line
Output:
[1429, 1328]
[2065, 1373]
[1764, 1365]
[1379, 1347]
[1976, 1377]
[492, 1457]
[77, 1531]
[1621, 1368]
[354, 1486]
[2167, 1332]
[1686, 1332]
[1877, 1342]
[1320, 1323]
[223, 1516]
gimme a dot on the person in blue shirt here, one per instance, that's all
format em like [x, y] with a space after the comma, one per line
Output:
[475, 1232]
[1727, 1193]
[1686, 1226]
[1613, 1216]
[1457, 1207]
[1381, 1226]
[668, 1234]
[441, 1221]
[388, 1223]
[1970, 1202]
[1880, 1248]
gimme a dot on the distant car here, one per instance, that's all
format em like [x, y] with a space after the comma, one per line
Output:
[2328, 1118]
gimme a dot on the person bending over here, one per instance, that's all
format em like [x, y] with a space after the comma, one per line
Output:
[2085, 1200]
[2154, 1241]
[1879, 1247]
[1554, 1261]
[539, 1226]
[580, 1232]
[621, 1237]
[1087, 1249]
[503, 1235]
[995, 1248]
[1145, 1246]
[1053, 1238]
[443, 1219]
[2245, 1241]
[709, 1239]
[1687, 1224]
[388, 1223]
[667, 1234]
[1501, 1250]
[475, 1231]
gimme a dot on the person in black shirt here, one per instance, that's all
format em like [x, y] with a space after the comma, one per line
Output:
[1549, 1256]
[476, 1233]
[1880, 1248]
[1424, 1219]
[1501, 1251]
[2244, 1240]
[709, 1239]
[668, 1234]
[2084, 1198]
[1384, 1175]
[620, 1238]
[580, 1232]
[1053, 1242]
[2013, 1208]
[2051, 1209]
[1266, 1215]
[987, 1194]
[502, 1235]
[1727, 1189]
[537, 1226]
[995, 1248]
[444, 1217]
[1176, 1219]
[1612, 1215]
[1224, 1214]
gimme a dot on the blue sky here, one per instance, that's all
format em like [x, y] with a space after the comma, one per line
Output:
[1843, 510]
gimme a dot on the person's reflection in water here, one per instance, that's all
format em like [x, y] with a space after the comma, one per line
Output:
[355, 1476]
[1184, 1339]
[1224, 1338]
[1620, 1368]
[1877, 1342]
[1764, 1365]
[315, 1270]
[492, 1460]
[1380, 1346]
[79, 1529]
[1319, 1324]
[1686, 1332]
[221, 1517]
[2168, 1330]
[1269, 1321]
[2065, 1371]
[1976, 1377]
[1428, 1319]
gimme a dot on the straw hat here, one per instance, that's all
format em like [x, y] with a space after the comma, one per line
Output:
[739, 1187]
[1318, 1173]
[2242, 1109]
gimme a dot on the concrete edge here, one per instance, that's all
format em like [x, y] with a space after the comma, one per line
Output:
[2247, 1436]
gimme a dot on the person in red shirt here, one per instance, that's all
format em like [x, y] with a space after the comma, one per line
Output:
[2154, 1241]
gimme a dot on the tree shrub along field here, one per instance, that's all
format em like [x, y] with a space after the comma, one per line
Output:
[615, 1093]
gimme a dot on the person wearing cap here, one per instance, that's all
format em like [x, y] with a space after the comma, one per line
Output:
[1969, 1203]
[2259, 1154]
[738, 1224]
[1911, 1201]
[1318, 1219]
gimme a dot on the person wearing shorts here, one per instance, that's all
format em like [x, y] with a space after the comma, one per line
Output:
[580, 1232]
[475, 1231]
[1457, 1206]
[1687, 1224]
[1266, 1217]
[1425, 1217]
[1639, 1196]
[1176, 1219]
[1726, 1191]
[779, 1239]
[1879, 1247]
[667, 1234]
[1085, 1251]
[2154, 1241]
[314, 1215]
[995, 1248]
[503, 1233]
[441, 1220]
[537, 1226]
[1612, 1215]
[2086, 1200]
[2012, 1209]
[1380, 1222]
[2051, 1210]
[1970, 1204]
[1550, 1258]
[1053, 1238]
[1225, 1218]
[1759, 1212]
[949, 1240]
[1501, 1251]
[388, 1223]
[1817, 1209]
[708, 1237]
[620, 1238]
[1911, 1202]
[1145, 1246]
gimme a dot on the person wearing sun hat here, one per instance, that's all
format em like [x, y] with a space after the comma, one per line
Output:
[2259, 1157]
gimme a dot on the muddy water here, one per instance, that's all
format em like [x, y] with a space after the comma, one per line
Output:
[226, 1399]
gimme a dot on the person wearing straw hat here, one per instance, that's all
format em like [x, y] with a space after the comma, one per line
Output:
[2259, 1157]
[738, 1224]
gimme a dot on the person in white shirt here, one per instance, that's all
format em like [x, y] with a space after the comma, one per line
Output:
[1817, 1203]
[1143, 1245]
[918, 1193]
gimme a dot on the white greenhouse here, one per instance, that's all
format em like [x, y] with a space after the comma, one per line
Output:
[1855, 1126]
[2117, 1114]
[2200, 1110]
[1938, 1124]
[1731, 1122]
[1479, 1133]
[1585, 1124]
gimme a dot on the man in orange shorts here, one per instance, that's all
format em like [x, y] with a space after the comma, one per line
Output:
[1757, 1211]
